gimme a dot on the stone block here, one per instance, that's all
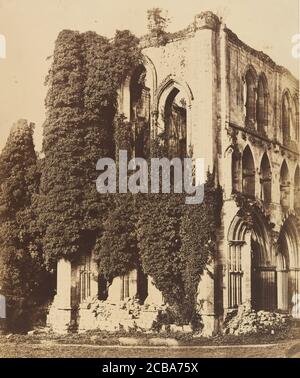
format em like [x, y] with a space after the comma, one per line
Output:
[129, 341]
[159, 341]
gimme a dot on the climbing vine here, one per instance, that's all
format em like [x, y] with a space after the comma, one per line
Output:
[86, 73]
[116, 247]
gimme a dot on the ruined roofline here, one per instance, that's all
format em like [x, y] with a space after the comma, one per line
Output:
[232, 37]
[209, 20]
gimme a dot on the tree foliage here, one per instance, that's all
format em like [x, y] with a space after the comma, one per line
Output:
[22, 274]
[158, 22]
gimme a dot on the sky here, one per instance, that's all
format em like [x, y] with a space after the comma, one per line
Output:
[30, 28]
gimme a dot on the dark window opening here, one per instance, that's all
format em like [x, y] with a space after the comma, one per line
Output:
[248, 168]
[266, 180]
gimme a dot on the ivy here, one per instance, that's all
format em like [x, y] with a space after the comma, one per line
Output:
[198, 235]
[81, 103]
[160, 243]
[116, 249]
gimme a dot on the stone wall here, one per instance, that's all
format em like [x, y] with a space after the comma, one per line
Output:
[207, 63]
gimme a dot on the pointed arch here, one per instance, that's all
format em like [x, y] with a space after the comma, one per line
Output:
[285, 186]
[260, 237]
[289, 250]
[248, 172]
[296, 131]
[250, 260]
[238, 251]
[289, 242]
[286, 117]
[173, 106]
[237, 230]
[265, 179]
[151, 78]
[262, 104]
[297, 189]
[250, 95]
[263, 266]
[167, 85]
[236, 162]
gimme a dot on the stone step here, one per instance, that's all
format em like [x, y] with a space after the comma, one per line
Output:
[295, 333]
[295, 323]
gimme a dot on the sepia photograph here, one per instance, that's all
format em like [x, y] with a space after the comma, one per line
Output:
[149, 182]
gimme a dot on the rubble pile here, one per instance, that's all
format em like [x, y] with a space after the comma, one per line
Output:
[247, 322]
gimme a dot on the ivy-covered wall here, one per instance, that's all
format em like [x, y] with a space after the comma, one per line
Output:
[86, 72]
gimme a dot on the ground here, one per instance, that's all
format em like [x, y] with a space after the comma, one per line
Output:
[104, 345]
[90, 351]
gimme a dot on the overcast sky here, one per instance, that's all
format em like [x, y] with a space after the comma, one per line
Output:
[31, 27]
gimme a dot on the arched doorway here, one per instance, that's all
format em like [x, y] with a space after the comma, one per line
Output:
[263, 267]
[251, 268]
[289, 265]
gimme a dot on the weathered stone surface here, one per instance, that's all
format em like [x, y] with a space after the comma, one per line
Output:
[126, 315]
[157, 341]
[129, 341]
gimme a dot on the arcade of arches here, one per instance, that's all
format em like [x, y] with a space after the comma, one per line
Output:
[263, 269]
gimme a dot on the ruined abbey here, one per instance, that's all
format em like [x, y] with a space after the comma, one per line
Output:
[239, 111]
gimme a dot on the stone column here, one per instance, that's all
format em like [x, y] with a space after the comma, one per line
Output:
[116, 288]
[282, 290]
[114, 291]
[94, 279]
[206, 301]
[155, 296]
[246, 267]
[227, 173]
[59, 317]
[2, 314]
[133, 290]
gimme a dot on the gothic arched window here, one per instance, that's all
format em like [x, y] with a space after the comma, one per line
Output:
[286, 118]
[297, 189]
[250, 94]
[140, 111]
[175, 114]
[284, 186]
[296, 119]
[262, 104]
[248, 168]
[265, 179]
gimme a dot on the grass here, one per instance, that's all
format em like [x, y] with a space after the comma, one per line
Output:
[13, 350]
[106, 344]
